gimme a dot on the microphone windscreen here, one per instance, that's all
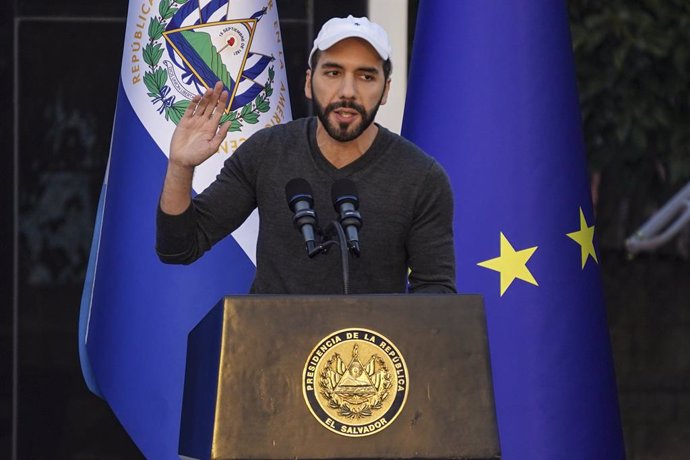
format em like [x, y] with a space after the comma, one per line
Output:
[344, 191]
[298, 189]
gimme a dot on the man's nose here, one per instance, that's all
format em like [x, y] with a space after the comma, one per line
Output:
[348, 88]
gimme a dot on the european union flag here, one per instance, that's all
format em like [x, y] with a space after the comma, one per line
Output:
[492, 96]
[136, 311]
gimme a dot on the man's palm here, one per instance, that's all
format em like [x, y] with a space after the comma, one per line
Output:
[197, 135]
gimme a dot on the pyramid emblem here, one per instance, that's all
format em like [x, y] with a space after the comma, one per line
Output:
[216, 51]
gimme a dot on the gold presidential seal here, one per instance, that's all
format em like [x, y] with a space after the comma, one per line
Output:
[355, 382]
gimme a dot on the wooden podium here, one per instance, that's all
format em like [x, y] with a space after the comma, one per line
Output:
[340, 377]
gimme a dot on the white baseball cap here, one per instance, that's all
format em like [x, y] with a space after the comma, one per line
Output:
[337, 29]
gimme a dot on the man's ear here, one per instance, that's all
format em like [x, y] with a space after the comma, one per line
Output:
[307, 85]
[385, 92]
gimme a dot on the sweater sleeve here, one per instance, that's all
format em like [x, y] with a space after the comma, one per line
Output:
[214, 213]
[431, 253]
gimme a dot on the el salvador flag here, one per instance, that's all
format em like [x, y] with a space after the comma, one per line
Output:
[136, 312]
[492, 96]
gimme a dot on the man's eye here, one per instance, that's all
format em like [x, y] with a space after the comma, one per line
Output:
[366, 77]
[332, 73]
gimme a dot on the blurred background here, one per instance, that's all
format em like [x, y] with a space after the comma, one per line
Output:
[59, 65]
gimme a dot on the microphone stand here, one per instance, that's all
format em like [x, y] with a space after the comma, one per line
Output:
[323, 247]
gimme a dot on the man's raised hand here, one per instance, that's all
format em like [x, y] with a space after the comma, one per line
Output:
[197, 135]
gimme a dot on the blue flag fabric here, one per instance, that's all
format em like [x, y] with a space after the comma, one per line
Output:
[492, 96]
[136, 312]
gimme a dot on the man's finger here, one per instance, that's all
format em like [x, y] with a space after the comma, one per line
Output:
[215, 97]
[220, 135]
[220, 107]
[191, 107]
[210, 100]
[204, 103]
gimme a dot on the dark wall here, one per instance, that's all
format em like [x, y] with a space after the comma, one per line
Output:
[67, 65]
[649, 319]
[6, 227]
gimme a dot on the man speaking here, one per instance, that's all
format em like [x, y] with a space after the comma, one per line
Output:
[404, 196]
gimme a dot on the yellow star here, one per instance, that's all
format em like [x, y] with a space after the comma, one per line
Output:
[511, 264]
[585, 238]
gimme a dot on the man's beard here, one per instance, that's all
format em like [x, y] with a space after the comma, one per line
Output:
[339, 131]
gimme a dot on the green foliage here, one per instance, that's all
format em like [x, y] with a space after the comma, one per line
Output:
[228, 117]
[262, 104]
[152, 54]
[235, 126]
[245, 110]
[156, 29]
[175, 111]
[251, 118]
[155, 80]
[166, 10]
[633, 70]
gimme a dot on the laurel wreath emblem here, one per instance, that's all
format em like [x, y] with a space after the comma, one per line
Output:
[156, 77]
[349, 404]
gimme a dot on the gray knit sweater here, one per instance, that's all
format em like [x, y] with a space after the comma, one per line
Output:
[405, 201]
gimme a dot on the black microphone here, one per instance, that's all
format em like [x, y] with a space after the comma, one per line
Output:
[346, 204]
[300, 200]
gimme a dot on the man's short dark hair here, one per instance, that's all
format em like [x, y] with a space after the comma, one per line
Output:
[387, 64]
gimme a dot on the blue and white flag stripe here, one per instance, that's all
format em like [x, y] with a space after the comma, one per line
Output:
[136, 312]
